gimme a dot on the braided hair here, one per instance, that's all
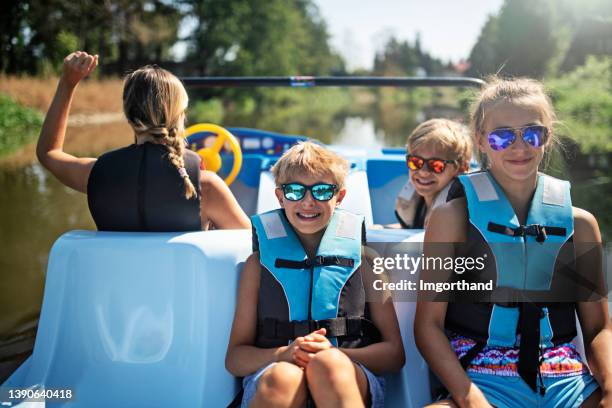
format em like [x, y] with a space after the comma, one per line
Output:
[154, 103]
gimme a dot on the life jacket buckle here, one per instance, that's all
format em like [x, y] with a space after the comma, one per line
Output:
[318, 261]
[541, 237]
[537, 230]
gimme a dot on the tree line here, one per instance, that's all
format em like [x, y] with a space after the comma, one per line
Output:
[542, 38]
[237, 37]
[283, 37]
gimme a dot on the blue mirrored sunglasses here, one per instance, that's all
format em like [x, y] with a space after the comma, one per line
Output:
[319, 191]
[502, 138]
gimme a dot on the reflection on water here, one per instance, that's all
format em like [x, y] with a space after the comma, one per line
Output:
[359, 132]
[35, 209]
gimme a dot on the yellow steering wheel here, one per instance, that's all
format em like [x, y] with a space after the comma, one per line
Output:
[210, 155]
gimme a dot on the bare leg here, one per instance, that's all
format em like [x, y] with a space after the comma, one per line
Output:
[282, 385]
[335, 381]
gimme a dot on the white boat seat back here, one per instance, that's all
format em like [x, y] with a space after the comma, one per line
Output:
[386, 178]
[138, 319]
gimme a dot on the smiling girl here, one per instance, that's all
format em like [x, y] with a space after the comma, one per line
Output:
[517, 351]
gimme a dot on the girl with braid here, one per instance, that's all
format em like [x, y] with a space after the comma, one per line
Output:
[154, 184]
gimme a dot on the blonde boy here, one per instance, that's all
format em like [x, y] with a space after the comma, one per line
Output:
[437, 151]
[302, 328]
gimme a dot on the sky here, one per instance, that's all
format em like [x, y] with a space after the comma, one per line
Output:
[448, 28]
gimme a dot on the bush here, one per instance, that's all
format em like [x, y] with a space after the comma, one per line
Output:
[210, 111]
[583, 99]
[18, 125]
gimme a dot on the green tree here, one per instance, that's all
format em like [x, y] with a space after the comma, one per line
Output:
[39, 33]
[404, 58]
[396, 59]
[520, 41]
[483, 57]
[526, 41]
[13, 37]
[260, 37]
[583, 99]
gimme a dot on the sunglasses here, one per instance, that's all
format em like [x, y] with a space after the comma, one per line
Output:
[319, 191]
[434, 164]
[502, 138]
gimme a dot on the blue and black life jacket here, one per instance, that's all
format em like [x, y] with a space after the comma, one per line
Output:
[137, 188]
[524, 261]
[298, 295]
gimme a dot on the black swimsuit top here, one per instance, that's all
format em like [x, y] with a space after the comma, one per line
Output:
[137, 188]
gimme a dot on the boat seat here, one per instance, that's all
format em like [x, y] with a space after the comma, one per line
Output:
[410, 387]
[386, 178]
[246, 185]
[143, 319]
[138, 319]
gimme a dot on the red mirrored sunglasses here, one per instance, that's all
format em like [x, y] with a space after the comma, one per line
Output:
[434, 164]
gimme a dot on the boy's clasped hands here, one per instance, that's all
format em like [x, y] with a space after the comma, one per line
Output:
[303, 349]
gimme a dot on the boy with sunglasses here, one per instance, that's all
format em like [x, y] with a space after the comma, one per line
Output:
[302, 326]
[437, 151]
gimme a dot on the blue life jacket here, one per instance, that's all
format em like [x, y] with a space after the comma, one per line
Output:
[522, 260]
[298, 295]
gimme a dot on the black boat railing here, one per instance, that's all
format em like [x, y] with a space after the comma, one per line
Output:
[313, 81]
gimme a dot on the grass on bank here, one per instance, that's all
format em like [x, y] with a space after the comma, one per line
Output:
[92, 95]
[18, 125]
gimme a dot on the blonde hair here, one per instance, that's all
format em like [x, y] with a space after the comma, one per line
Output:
[154, 102]
[523, 92]
[450, 135]
[311, 159]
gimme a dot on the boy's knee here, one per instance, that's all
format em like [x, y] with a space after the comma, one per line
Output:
[332, 365]
[282, 382]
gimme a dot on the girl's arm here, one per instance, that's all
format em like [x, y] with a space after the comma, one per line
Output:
[593, 315]
[448, 224]
[219, 205]
[387, 355]
[242, 357]
[70, 170]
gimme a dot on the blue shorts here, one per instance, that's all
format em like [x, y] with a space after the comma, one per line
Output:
[561, 392]
[376, 386]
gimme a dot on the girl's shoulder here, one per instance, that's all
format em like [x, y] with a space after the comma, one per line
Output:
[448, 222]
[586, 228]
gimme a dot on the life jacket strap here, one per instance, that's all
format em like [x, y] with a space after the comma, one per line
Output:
[536, 230]
[317, 261]
[471, 354]
[272, 328]
[529, 350]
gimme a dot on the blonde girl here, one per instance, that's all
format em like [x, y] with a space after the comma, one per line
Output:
[154, 184]
[516, 351]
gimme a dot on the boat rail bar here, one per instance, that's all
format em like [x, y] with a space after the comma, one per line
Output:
[312, 81]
